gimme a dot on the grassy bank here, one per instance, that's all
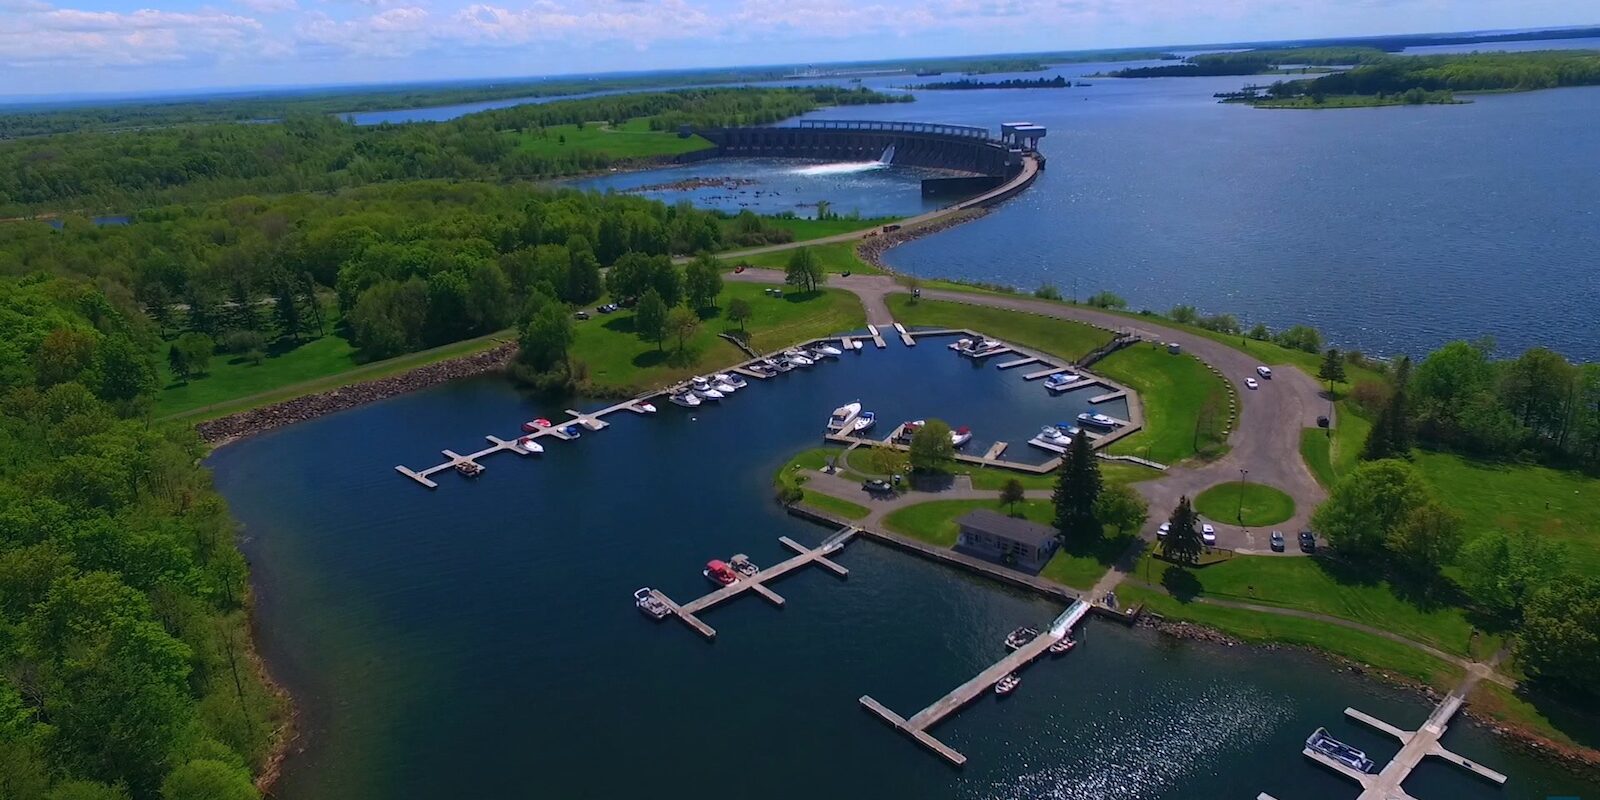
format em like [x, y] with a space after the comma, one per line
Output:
[1251, 504]
[620, 361]
[1332, 453]
[992, 478]
[1557, 504]
[631, 140]
[836, 257]
[1061, 338]
[934, 522]
[1177, 391]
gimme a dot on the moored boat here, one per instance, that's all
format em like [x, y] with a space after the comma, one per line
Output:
[534, 425]
[960, 436]
[1321, 742]
[798, 359]
[1060, 380]
[527, 443]
[469, 469]
[742, 564]
[572, 431]
[649, 604]
[648, 408]
[829, 350]
[732, 379]
[704, 389]
[1097, 420]
[723, 385]
[864, 422]
[718, 572]
[687, 399]
[1065, 644]
[1020, 637]
[843, 416]
[1007, 685]
[909, 429]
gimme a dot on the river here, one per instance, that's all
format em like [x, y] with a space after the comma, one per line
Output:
[480, 641]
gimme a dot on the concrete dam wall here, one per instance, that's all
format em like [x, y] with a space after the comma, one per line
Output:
[986, 162]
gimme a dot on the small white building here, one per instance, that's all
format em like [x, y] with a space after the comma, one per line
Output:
[1007, 540]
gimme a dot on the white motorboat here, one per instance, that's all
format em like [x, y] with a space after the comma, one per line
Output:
[648, 408]
[687, 399]
[527, 443]
[829, 350]
[1065, 644]
[722, 384]
[797, 359]
[732, 379]
[1097, 420]
[704, 389]
[649, 604]
[909, 429]
[1007, 685]
[961, 344]
[960, 436]
[1051, 438]
[1061, 380]
[985, 345]
[864, 422]
[782, 364]
[843, 416]
[1020, 637]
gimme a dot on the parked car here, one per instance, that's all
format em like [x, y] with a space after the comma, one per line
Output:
[1265, 372]
[1277, 541]
[1161, 532]
[738, 269]
[1252, 383]
[1308, 542]
[580, 315]
[1208, 534]
[877, 486]
[605, 309]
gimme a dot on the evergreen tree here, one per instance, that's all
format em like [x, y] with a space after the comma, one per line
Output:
[1183, 543]
[1332, 369]
[1391, 433]
[290, 321]
[1077, 488]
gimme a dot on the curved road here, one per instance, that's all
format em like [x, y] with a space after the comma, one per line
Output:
[1266, 441]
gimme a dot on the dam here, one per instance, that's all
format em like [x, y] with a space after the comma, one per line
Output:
[988, 162]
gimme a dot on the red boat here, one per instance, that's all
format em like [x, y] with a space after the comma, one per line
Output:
[541, 422]
[719, 573]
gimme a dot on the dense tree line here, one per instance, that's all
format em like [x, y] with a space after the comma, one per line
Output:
[1255, 62]
[125, 664]
[1458, 72]
[1058, 82]
[322, 154]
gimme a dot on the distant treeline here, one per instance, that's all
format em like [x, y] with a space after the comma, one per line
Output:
[1462, 72]
[125, 171]
[1255, 62]
[1057, 82]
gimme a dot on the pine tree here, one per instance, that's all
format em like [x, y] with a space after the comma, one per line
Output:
[1077, 488]
[1391, 433]
[290, 321]
[1332, 369]
[1183, 543]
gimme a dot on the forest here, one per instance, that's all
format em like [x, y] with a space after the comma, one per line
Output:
[1460, 72]
[89, 172]
[126, 669]
[1255, 62]
[1058, 82]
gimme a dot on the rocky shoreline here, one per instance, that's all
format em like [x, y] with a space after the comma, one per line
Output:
[1583, 761]
[244, 424]
[872, 248]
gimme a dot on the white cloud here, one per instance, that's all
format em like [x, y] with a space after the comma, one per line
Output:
[545, 21]
[269, 6]
[392, 33]
[42, 35]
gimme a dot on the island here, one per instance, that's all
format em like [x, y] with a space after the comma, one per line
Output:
[1058, 82]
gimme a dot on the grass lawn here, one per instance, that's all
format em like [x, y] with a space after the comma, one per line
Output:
[619, 360]
[833, 505]
[1552, 717]
[1174, 390]
[234, 385]
[1062, 338]
[835, 258]
[1323, 586]
[1252, 504]
[804, 229]
[1254, 626]
[633, 139]
[935, 522]
[1557, 504]
[993, 478]
[1332, 456]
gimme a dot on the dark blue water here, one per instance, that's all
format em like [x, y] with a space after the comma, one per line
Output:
[777, 186]
[480, 641]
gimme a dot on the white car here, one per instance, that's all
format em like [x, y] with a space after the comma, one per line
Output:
[1161, 532]
[1265, 372]
[1208, 534]
[1252, 383]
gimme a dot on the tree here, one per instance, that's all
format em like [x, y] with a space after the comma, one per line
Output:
[1012, 493]
[208, 780]
[1332, 369]
[1122, 508]
[682, 324]
[389, 317]
[804, 271]
[650, 318]
[1260, 332]
[1365, 508]
[1427, 538]
[583, 275]
[1301, 337]
[1390, 436]
[190, 355]
[546, 338]
[739, 311]
[886, 460]
[1501, 573]
[1183, 314]
[1182, 543]
[702, 282]
[126, 373]
[1106, 299]
[1077, 488]
[931, 448]
[287, 309]
[1561, 634]
[62, 356]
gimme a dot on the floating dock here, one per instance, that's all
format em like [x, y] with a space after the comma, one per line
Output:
[905, 336]
[917, 726]
[877, 338]
[688, 613]
[1020, 362]
[425, 477]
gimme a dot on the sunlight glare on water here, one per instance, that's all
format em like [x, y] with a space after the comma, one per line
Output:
[838, 168]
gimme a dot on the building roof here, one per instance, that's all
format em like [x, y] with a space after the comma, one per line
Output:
[996, 524]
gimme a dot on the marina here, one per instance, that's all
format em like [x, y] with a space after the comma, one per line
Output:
[688, 612]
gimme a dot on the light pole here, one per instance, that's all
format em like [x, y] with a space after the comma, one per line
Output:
[1242, 474]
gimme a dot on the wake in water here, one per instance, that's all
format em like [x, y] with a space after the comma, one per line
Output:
[847, 167]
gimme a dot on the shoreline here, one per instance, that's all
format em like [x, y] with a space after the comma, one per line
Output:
[871, 249]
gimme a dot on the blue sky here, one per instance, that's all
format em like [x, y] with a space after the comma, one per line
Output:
[56, 47]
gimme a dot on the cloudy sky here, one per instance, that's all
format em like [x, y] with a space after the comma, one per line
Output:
[58, 47]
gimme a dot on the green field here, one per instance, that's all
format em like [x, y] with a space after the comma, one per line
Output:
[1253, 626]
[934, 522]
[804, 229]
[1331, 455]
[1326, 587]
[833, 505]
[1174, 390]
[1558, 504]
[1251, 504]
[993, 478]
[619, 361]
[633, 139]
[1063, 338]
[835, 258]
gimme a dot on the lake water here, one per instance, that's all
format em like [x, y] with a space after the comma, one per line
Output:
[480, 641]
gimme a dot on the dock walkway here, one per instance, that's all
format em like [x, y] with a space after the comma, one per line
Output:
[917, 726]
[689, 612]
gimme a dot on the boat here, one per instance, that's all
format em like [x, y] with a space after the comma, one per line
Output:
[648, 408]
[1321, 742]
[649, 604]
[743, 565]
[719, 573]
[1020, 637]
[798, 359]
[527, 443]
[1007, 685]
[572, 431]
[1068, 428]
[829, 350]
[470, 469]
[843, 416]
[864, 422]
[1061, 380]
[961, 345]
[704, 389]
[685, 399]
[723, 385]
[782, 364]
[1097, 420]
[731, 379]
[1063, 645]
[909, 429]
[983, 347]
[534, 425]
[960, 436]
[1054, 435]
